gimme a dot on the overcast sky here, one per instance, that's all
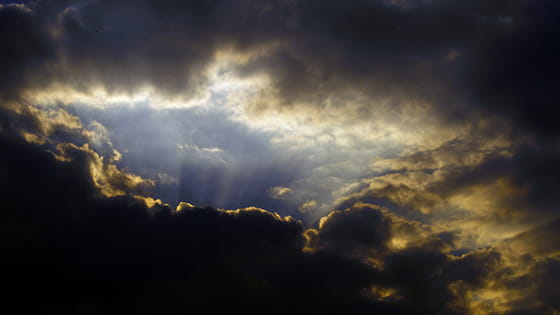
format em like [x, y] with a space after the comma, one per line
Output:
[368, 156]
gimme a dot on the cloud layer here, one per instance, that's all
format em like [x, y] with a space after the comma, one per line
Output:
[405, 151]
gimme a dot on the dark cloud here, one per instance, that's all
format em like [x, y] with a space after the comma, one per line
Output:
[541, 241]
[69, 249]
[66, 247]
[360, 229]
[543, 298]
[526, 288]
[529, 279]
[460, 56]
[530, 172]
[420, 277]
[515, 64]
[517, 178]
[26, 49]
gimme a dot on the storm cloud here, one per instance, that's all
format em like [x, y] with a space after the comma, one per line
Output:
[367, 156]
[79, 251]
[452, 55]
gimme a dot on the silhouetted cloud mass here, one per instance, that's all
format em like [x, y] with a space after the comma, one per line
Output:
[69, 249]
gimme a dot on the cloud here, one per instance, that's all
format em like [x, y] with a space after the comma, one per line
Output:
[72, 248]
[361, 228]
[278, 191]
[57, 131]
[414, 267]
[313, 52]
[26, 51]
[428, 126]
[98, 253]
[375, 65]
[521, 280]
[490, 186]
[514, 64]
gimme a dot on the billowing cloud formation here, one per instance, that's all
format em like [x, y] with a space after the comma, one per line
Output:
[71, 249]
[428, 126]
[81, 252]
[446, 54]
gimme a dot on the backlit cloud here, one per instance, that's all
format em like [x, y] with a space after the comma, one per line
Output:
[368, 156]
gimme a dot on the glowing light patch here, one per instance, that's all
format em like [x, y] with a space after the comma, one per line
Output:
[385, 294]
[279, 192]
[101, 98]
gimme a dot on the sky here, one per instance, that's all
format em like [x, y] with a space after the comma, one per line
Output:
[364, 156]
